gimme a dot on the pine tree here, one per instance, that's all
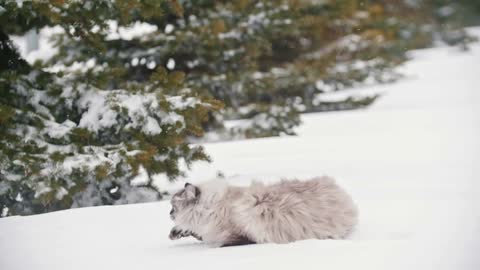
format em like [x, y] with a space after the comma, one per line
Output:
[269, 60]
[77, 135]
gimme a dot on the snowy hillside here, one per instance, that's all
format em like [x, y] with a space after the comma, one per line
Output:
[411, 162]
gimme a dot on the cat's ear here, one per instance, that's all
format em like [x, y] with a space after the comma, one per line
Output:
[191, 192]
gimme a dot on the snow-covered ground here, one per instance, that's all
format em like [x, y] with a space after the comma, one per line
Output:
[411, 162]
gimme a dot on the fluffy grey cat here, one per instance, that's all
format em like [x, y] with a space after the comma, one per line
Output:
[287, 211]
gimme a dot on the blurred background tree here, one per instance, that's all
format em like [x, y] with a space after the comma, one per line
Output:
[131, 82]
[71, 135]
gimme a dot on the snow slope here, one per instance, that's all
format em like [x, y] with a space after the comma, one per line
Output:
[411, 162]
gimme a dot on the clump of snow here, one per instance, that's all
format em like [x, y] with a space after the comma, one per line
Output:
[61, 192]
[228, 54]
[45, 44]
[272, 73]
[192, 64]
[41, 189]
[151, 127]
[135, 30]
[169, 28]
[19, 197]
[134, 62]
[142, 109]
[171, 64]
[151, 65]
[234, 34]
[446, 11]
[181, 103]
[354, 94]
[114, 190]
[13, 177]
[58, 130]
[256, 18]
[19, 3]
[4, 212]
[141, 178]
[257, 75]
[322, 86]
[98, 115]
[264, 121]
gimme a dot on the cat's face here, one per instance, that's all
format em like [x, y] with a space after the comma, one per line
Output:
[184, 199]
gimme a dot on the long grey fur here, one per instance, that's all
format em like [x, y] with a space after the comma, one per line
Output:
[287, 211]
